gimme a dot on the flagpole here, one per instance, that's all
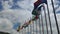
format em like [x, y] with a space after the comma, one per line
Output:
[49, 19]
[25, 29]
[36, 25]
[55, 16]
[33, 28]
[42, 23]
[45, 18]
[30, 28]
[39, 25]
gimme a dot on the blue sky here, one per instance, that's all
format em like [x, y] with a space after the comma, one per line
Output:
[13, 17]
[14, 6]
[16, 12]
[1, 7]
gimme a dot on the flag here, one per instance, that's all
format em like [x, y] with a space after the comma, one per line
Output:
[36, 4]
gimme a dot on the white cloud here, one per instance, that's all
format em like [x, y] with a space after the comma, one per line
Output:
[9, 16]
[13, 16]
[5, 25]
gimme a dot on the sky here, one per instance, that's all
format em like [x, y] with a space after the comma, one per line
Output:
[13, 12]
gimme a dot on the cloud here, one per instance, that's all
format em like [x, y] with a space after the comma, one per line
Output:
[11, 16]
[5, 25]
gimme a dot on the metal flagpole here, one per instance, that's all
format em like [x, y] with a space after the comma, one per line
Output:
[30, 28]
[39, 25]
[45, 18]
[25, 29]
[42, 23]
[22, 31]
[33, 28]
[36, 26]
[49, 19]
[55, 16]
